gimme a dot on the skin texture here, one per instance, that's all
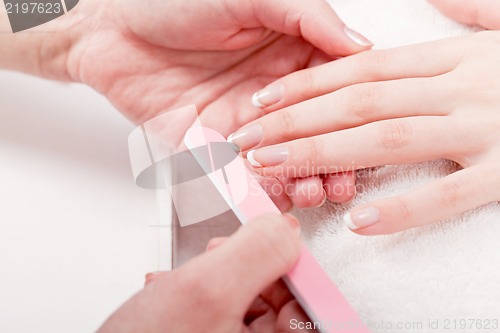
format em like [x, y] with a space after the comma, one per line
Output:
[387, 112]
[213, 55]
[341, 187]
[484, 13]
[195, 296]
[156, 56]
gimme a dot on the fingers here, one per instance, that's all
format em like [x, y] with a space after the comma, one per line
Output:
[262, 315]
[277, 295]
[485, 13]
[395, 141]
[439, 200]
[305, 192]
[150, 277]
[434, 58]
[276, 191]
[340, 187]
[350, 107]
[293, 319]
[287, 193]
[232, 275]
[212, 244]
[313, 20]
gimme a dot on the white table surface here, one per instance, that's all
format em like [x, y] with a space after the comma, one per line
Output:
[75, 231]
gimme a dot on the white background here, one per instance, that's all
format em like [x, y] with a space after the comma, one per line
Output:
[75, 235]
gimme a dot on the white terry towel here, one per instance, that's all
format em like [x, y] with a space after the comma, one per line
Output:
[428, 279]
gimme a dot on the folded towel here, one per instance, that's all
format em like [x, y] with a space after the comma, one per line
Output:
[429, 279]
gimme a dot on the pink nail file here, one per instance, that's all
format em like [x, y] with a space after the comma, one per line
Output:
[307, 281]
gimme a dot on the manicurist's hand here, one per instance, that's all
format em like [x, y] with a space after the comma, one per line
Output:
[153, 56]
[439, 100]
[231, 288]
[150, 57]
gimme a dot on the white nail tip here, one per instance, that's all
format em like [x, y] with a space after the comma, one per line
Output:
[230, 138]
[348, 222]
[255, 100]
[252, 160]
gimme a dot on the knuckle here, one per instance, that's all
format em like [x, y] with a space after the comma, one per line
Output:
[373, 61]
[190, 282]
[363, 100]
[287, 121]
[314, 150]
[394, 135]
[402, 205]
[448, 194]
[308, 82]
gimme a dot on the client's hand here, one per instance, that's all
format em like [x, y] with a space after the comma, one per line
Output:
[153, 56]
[484, 13]
[231, 288]
[438, 100]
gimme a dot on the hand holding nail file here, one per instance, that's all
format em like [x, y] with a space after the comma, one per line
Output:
[307, 281]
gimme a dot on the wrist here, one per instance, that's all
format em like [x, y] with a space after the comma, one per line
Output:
[44, 50]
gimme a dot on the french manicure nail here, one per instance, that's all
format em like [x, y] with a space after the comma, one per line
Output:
[356, 37]
[268, 156]
[252, 160]
[322, 201]
[247, 137]
[362, 218]
[268, 96]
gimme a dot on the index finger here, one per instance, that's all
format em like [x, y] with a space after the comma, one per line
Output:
[419, 60]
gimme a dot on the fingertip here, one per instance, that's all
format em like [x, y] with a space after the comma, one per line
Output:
[152, 276]
[307, 192]
[252, 160]
[362, 217]
[328, 33]
[215, 242]
[340, 187]
[283, 202]
[288, 220]
[358, 38]
[276, 190]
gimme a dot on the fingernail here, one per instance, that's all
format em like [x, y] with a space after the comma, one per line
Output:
[356, 37]
[268, 96]
[215, 242]
[269, 156]
[247, 137]
[151, 276]
[362, 218]
[322, 201]
[293, 222]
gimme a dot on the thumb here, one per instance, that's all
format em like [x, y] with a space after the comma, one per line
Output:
[313, 20]
[257, 255]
